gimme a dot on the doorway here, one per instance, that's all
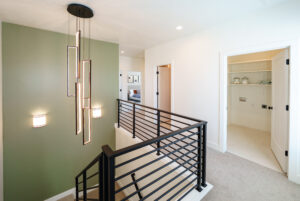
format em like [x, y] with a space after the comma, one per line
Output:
[258, 107]
[163, 91]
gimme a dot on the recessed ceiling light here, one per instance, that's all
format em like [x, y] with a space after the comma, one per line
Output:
[179, 27]
[122, 51]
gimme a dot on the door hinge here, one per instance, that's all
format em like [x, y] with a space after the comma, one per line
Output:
[157, 72]
[120, 90]
[286, 153]
[120, 75]
[287, 61]
[157, 93]
[287, 107]
[270, 107]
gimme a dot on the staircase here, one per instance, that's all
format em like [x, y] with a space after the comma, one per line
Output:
[160, 156]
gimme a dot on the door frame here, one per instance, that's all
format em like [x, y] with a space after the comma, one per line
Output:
[294, 97]
[155, 81]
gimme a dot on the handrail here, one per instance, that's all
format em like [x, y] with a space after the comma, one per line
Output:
[151, 141]
[192, 138]
[164, 111]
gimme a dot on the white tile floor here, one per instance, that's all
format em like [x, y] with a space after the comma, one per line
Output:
[253, 145]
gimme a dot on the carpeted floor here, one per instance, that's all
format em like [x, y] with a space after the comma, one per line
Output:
[237, 179]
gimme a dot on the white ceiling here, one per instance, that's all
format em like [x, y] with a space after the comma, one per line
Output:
[134, 24]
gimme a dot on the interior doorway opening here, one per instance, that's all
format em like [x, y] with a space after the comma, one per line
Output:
[163, 91]
[258, 107]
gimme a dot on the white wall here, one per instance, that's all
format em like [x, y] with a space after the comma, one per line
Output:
[131, 64]
[1, 120]
[196, 62]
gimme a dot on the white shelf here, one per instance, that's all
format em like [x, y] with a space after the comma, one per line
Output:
[267, 85]
[249, 61]
[257, 71]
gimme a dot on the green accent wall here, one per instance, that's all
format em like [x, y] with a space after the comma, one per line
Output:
[42, 162]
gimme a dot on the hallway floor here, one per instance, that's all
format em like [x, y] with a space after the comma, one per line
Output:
[237, 179]
[253, 145]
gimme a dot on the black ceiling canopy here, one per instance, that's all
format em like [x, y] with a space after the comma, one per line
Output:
[80, 10]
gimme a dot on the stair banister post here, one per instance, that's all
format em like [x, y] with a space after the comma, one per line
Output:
[119, 113]
[84, 186]
[100, 170]
[199, 133]
[109, 173]
[133, 119]
[204, 140]
[77, 190]
[158, 131]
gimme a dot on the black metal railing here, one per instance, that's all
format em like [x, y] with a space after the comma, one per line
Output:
[168, 163]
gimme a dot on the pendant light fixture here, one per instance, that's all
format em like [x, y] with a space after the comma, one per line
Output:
[79, 68]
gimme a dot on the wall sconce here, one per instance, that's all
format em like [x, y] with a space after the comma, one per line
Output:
[39, 121]
[97, 112]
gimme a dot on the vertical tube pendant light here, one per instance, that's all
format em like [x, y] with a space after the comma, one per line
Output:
[83, 70]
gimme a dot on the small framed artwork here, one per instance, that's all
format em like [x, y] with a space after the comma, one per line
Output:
[136, 79]
[130, 78]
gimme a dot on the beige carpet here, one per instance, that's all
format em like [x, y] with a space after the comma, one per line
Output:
[237, 179]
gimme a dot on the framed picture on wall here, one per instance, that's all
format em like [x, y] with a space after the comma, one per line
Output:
[136, 79]
[130, 78]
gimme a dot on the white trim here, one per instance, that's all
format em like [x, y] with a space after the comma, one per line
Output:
[214, 146]
[62, 195]
[1, 120]
[294, 128]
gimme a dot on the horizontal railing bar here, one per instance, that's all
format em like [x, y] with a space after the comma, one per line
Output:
[137, 128]
[176, 155]
[174, 195]
[147, 111]
[126, 110]
[152, 172]
[186, 124]
[93, 187]
[173, 126]
[178, 115]
[181, 135]
[96, 173]
[152, 123]
[145, 165]
[175, 186]
[125, 114]
[127, 120]
[156, 149]
[147, 129]
[125, 126]
[184, 141]
[162, 116]
[89, 199]
[142, 137]
[157, 139]
[186, 193]
[90, 164]
[146, 115]
[126, 105]
[178, 134]
[171, 180]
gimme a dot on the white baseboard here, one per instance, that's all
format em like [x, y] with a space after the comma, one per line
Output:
[62, 195]
[214, 146]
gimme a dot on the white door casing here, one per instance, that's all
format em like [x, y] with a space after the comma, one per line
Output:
[164, 88]
[280, 114]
